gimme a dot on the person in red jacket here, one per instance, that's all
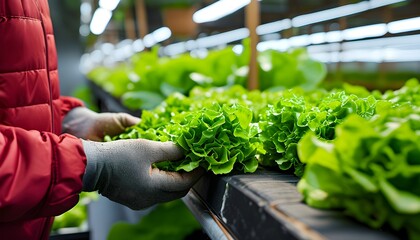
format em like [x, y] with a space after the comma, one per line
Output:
[50, 147]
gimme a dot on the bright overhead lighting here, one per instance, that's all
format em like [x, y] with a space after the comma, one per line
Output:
[206, 42]
[300, 41]
[175, 49]
[238, 49]
[191, 45]
[362, 55]
[123, 50]
[398, 55]
[381, 3]
[405, 25]
[348, 34]
[221, 8]
[107, 48]
[342, 11]
[322, 56]
[329, 14]
[324, 15]
[97, 56]
[334, 36]
[272, 27]
[84, 30]
[317, 38]
[369, 55]
[279, 45]
[161, 34]
[389, 49]
[375, 30]
[100, 20]
[85, 8]
[102, 15]
[109, 4]
[138, 45]
[382, 42]
[324, 48]
[218, 10]
[85, 12]
[85, 64]
[223, 38]
[149, 40]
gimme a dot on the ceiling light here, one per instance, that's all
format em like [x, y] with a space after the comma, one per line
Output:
[405, 25]
[375, 30]
[272, 27]
[100, 20]
[218, 10]
[161, 34]
[329, 14]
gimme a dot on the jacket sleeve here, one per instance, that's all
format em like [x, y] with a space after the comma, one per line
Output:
[68, 103]
[40, 173]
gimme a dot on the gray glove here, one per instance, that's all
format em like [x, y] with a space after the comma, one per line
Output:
[84, 123]
[122, 171]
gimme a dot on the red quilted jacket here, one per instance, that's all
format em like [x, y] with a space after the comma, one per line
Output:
[40, 170]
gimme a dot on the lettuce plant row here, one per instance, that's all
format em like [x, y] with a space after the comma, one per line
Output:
[353, 150]
[263, 126]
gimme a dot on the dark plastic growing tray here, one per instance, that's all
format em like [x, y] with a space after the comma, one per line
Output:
[267, 205]
[108, 103]
[70, 236]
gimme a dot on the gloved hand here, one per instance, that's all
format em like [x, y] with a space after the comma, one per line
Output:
[86, 124]
[122, 171]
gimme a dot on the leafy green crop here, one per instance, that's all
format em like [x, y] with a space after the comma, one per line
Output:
[408, 94]
[217, 137]
[297, 112]
[147, 79]
[77, 216]
[222, 129]
[215, 126]
[171, 220]
[285, 70]
[225, 128]
[117, 80]
[361, 151]
[371, 169]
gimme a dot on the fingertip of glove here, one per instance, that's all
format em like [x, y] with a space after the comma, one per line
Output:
[128, 120]
[168, 151]
[196, 174]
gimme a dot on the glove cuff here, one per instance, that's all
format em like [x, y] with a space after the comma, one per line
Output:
[91, 176]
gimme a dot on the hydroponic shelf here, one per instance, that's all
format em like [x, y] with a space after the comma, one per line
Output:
[106, 102]
[261, 205]
[267, 205]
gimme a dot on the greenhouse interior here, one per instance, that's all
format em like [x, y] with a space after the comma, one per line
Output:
[303, 115]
